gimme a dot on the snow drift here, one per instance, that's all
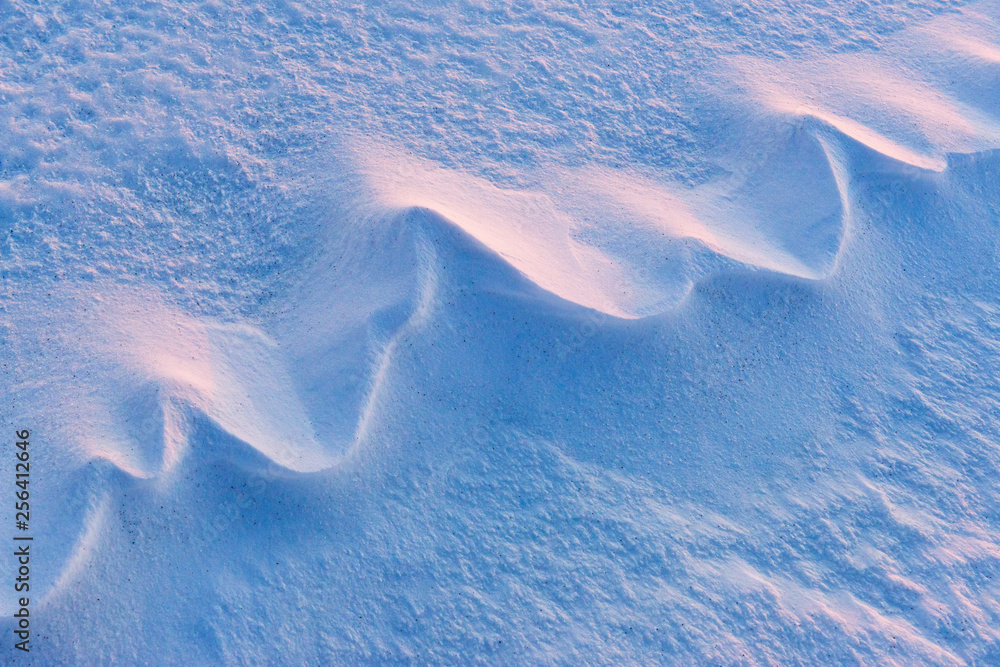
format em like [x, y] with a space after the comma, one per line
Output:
[520, 334]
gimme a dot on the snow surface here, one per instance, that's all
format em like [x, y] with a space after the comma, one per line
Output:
[545, 333]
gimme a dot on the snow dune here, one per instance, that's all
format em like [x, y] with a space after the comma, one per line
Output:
[521, 334]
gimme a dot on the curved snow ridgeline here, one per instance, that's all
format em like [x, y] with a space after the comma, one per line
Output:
[301, 387]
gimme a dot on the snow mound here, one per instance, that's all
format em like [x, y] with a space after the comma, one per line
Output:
[143, 371]
[621, 243]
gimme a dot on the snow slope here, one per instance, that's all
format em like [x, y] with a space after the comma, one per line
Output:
[482, 333]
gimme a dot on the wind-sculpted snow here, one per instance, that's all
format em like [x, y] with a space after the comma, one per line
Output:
[132, 373]
[544, 333]
[628, 246]
[905, 104]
